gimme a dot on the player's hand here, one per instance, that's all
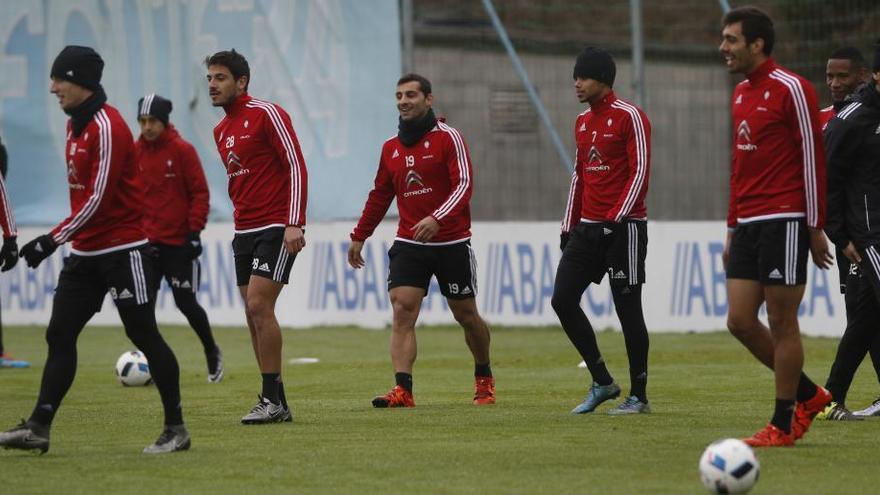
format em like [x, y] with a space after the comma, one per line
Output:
[38, 249]
[852, 253]
[563, 240]
[294, 239]
[822, 256]
[354, 254]
[426, 229]
[725, 255]
[194, 244]
[8, 253]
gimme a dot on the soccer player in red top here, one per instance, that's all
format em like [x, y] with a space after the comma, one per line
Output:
[777, 210]
[426, 167]
[605, 229]
[9, 251]
[175, 212]
[267, 185]
[109, 253]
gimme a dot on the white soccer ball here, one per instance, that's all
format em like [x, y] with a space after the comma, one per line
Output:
[133, 370]
[729, 466]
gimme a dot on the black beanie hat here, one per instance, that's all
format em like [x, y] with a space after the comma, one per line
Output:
[595, 63]
[877, 56]
[155, 106]
[80, 65]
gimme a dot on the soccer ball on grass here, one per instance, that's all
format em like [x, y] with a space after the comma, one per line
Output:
[133, 370]
[729, 466]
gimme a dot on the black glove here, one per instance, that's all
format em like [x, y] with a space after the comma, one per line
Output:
[194, 244]
[563, 240]
[38, 249]
[8, 254]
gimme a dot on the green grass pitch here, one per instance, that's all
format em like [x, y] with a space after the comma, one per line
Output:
[702, 388]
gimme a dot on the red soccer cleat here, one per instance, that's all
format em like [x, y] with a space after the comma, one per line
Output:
[484, 390]
[396, 397]
[770, 436]
[804, 412]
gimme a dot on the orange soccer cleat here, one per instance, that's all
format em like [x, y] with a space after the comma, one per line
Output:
[804, 412]
[484, 390]
[770, 436]
[396, 397]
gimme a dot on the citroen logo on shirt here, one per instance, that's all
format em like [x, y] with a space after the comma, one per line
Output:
[595, 161]
[414, 179]
[234, 162]
[744, 136]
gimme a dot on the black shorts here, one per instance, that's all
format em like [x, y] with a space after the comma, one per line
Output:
[177, 267]
[454, 265]
[262, 254]
[618, 249]
[128, 275]
[772, 252]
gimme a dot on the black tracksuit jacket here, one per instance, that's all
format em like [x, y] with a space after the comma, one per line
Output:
[852, 147]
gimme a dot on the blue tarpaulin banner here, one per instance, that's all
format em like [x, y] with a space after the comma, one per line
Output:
[332, 64]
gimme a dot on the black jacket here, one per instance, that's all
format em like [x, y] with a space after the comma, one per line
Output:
[852, 147]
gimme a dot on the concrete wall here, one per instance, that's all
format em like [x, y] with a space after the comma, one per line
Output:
[518, 175]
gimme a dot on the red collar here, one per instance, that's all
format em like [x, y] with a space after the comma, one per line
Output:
[603, 104]
[762, 72]
[237, 105]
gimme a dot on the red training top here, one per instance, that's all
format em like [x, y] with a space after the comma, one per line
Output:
[612, 164]
[778, 168]
[825, 115]
[433, 177]
[7, 220]
[268, 182]
[175, 190]
[105, 196]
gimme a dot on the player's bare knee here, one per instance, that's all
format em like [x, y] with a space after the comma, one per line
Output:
[258, 309]
[467, 317]
[741, 326]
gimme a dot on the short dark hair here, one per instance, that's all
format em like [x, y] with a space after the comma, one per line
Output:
[755, 24]
[851, 53]
[424, 83]
[232, 60]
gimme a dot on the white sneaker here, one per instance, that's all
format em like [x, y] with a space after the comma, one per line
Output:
[872, 410]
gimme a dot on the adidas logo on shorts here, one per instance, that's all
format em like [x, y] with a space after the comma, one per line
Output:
[125, 294]
[264, 267]
[775, 274]
[606, 230]
[619, 275]
[466, 291]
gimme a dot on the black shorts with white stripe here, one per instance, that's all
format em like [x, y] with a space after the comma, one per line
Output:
[128, 275]
[179, 269]
[262, 254]
[454, 265]
[773, 252]
[618, 249]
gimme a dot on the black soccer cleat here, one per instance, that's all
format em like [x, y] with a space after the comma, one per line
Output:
[215, 366]
[28, 435]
